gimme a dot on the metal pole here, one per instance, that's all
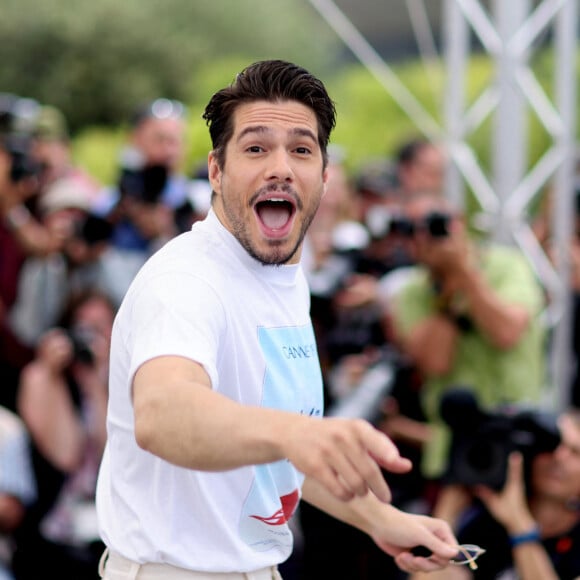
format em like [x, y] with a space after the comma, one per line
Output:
[564, 210]
[509, 154]
[456, 49]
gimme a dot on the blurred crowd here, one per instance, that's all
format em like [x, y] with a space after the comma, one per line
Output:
[431, 332]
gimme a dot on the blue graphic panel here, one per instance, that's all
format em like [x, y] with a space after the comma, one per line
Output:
[292, 382]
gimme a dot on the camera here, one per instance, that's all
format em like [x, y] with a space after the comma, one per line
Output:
[81, 339]
[482, 441]
[139, 180]
[93, 229]
[17, 117]
[435, 223]
[22, 165]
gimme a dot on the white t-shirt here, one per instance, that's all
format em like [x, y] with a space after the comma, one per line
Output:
[203, 297]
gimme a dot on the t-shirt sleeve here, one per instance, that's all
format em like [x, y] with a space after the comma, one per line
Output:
[513, 279]
[176, 314]
[412, 303]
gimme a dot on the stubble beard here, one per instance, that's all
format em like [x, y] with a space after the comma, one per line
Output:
[275, 255]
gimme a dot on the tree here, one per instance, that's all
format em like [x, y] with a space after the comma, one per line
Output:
[97, 60]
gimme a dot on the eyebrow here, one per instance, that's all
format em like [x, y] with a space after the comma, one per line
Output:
[298, 132]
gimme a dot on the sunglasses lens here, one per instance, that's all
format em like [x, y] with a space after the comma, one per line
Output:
[467, 554]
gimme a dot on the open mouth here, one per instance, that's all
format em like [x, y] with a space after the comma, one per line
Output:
[275, 215]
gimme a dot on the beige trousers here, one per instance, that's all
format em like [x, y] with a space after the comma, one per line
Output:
[113, 566]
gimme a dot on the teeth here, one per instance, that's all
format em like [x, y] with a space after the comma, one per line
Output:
[277, 199]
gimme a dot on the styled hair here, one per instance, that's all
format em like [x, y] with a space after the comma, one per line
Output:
[269, 80]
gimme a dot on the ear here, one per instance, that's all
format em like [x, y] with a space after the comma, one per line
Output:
[325, 177]
[214, 173]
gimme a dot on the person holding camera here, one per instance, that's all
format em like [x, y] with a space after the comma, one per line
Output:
[150, 204]
[21, 235]
[62, 399]
[84, 259]
[530, 528]
[468, 315]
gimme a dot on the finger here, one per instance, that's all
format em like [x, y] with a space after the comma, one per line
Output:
[515, 467]
[359, 471]
[440, 540]
[348, 467]
[386, 454]
[372, 478]
[334, 484]
[409, 563]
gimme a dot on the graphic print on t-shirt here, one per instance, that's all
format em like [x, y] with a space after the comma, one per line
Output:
[292, 382]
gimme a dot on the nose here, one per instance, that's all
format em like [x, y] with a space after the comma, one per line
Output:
[279, 166]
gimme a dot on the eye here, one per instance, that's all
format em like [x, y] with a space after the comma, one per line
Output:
[254, 149]
[303, 150]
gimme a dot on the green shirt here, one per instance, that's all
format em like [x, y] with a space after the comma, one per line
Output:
[496, 376]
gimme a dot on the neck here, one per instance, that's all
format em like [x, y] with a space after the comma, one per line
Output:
[554, 516]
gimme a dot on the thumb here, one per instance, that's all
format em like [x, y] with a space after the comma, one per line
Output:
[441, 542]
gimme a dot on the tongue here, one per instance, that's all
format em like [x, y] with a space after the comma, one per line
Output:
[274, 216]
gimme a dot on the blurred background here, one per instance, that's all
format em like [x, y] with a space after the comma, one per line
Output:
[468, 107]
[96, 60]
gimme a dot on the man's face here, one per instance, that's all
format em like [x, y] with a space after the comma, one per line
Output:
[557, 474]
[426, 173]
[54, 158]
[161, 141]
[272, 180]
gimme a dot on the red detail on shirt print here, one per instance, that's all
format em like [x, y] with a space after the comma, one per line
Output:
[279, 518]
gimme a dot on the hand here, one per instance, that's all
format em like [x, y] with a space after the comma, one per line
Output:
[361, 289]
[452, 501]
[344, 455]
[509, 507]
[55, 350]
[400, 532]
[448, 256]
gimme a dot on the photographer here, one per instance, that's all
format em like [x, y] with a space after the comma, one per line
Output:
[62, 399]
[530, 529]
[468, 315]
[150, 204]
[20, 233]
[84, 259]
[21, 179]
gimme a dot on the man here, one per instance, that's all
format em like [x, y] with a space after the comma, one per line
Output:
[215, 412]
[151, 191]
[530, 533]
[51, 149]
[467, 316]
[420, 167]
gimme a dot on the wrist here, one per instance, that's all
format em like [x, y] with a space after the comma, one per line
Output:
[531, 535]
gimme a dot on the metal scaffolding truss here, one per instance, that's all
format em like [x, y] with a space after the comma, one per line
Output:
[508, 32]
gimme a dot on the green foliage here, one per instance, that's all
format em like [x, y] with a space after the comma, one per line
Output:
[97, 60]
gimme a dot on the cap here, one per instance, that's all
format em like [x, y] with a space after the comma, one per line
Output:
[66, 193]
[50, 124]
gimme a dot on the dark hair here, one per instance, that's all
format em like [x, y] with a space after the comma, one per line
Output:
[77, 300]
[409, 151]
[269, 80]
[160, 108]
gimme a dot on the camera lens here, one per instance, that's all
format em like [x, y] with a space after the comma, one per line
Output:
[437, 224]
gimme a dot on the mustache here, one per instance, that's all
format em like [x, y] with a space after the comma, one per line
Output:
[282, 187]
